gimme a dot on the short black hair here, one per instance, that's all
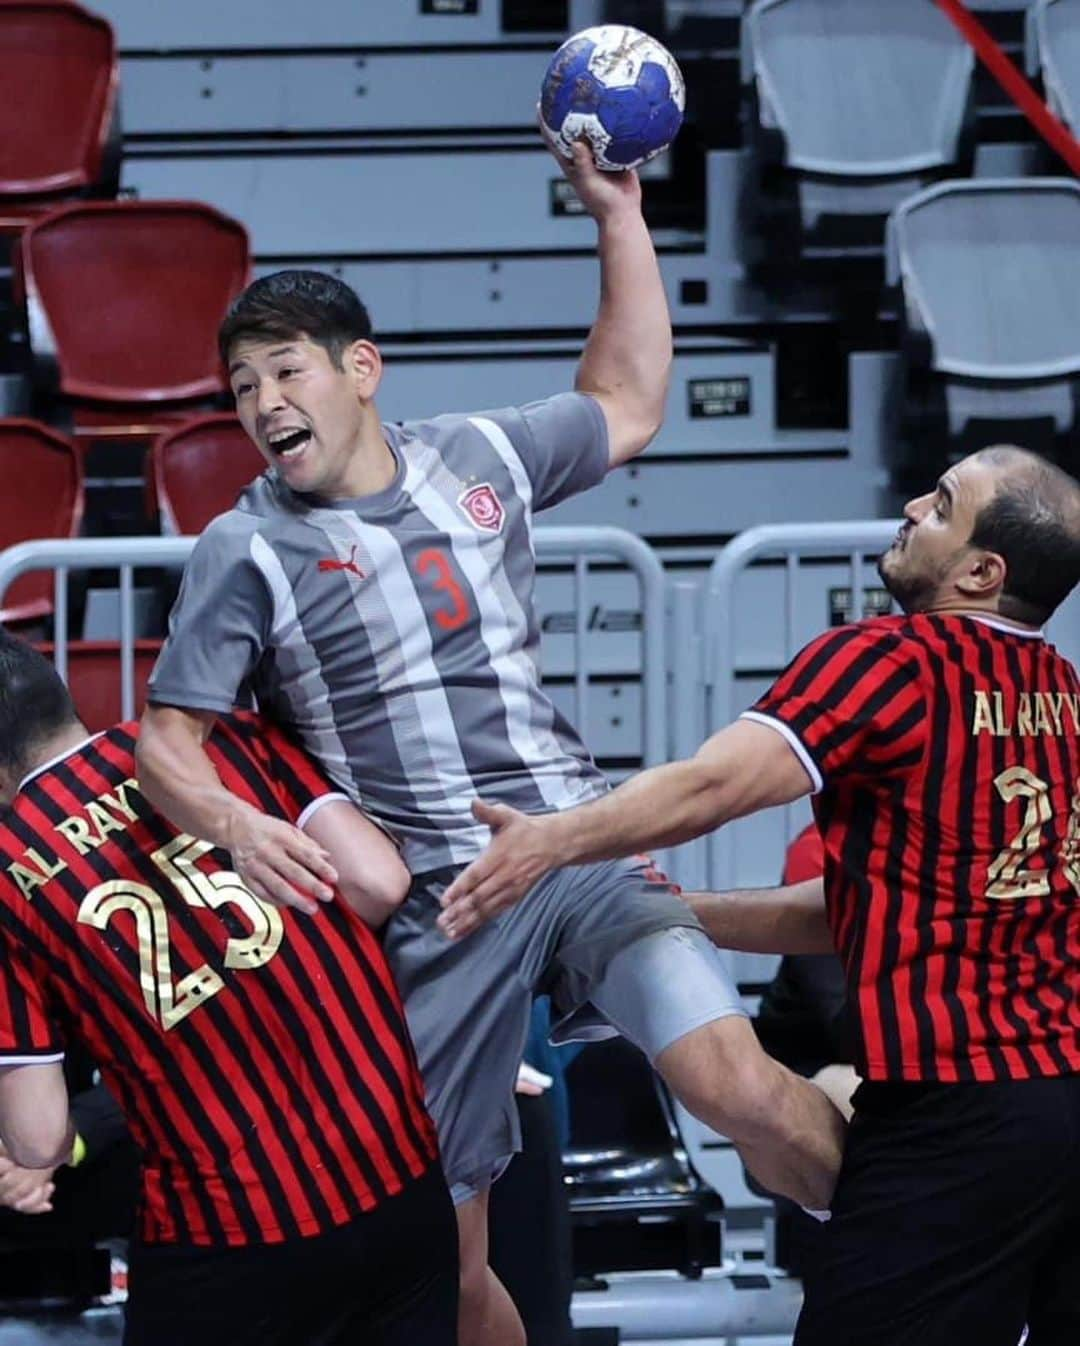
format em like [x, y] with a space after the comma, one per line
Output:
[292, 304]
[34, 703]
[1033, 523]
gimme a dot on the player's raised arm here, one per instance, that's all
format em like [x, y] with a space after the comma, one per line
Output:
[627, 358]
[275, 859]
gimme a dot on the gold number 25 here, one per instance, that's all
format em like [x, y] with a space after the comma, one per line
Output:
[1008, 879]
[168, 1001]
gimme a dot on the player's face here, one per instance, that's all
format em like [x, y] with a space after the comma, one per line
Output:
[933, 543]
[304, 414]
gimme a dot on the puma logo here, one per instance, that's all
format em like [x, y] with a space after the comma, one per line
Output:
[332, 563]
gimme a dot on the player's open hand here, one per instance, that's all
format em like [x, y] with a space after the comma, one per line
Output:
[518, 856]
[602, 194]
[279, 864]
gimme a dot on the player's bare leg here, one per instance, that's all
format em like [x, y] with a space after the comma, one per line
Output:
[486, 1313]
[788, 1133]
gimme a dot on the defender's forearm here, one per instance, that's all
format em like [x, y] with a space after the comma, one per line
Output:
[739, 770]
[660, 807]
[787, 920]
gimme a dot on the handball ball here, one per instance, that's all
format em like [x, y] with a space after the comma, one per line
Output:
[618, 88]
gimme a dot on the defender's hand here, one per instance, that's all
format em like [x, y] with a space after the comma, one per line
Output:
[27, 1190]
[531, 1082]
[604, 195]
[279, 864]
[518, 856]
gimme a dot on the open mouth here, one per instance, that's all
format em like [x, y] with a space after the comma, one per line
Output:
[286, 444]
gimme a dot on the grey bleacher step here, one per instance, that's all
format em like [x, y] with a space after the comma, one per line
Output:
[670, 500]
[500, 293]
[296, 92]
[722, 395]
[374, 200]
[210, 26]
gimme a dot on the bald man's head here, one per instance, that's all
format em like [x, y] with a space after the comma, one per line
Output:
[1031, 520]
[1000, 533]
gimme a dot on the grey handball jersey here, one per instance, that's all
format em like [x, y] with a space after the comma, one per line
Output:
[395, 634]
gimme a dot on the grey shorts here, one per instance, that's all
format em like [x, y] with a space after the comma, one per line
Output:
[468, 1003]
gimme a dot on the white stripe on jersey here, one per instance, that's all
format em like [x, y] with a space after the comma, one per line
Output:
[321, 738]
[500, 442]
[501, 614]
[414, 665]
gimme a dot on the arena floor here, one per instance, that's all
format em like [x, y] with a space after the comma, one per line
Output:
[104, 1327]
[98, 1325]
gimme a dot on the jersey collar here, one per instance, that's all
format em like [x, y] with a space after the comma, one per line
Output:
[68, 752]
[1024, 632]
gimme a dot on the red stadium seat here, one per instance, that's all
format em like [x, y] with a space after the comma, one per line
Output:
[43, 498]
[60, 80]
[126, 297]
[93, 677]
[197, 470]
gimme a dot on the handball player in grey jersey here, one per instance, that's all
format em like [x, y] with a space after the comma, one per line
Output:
[374, 590]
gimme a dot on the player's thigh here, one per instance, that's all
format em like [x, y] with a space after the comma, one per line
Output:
[1054, 1310]
[217, 1297]
[328, 1290]
[940, 1216]
[669, 992]
[468, 1012]
[393, 1283]
[429, 1315]
[630, 953]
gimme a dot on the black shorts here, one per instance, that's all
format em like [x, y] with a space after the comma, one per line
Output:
[956, 1219]
[388, 1278]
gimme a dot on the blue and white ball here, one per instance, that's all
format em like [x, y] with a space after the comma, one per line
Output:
[619, 88]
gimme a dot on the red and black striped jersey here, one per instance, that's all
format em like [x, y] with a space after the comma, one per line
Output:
[946, 753]
[261, 1056]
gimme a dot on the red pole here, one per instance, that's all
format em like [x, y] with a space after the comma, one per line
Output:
[1056, 134]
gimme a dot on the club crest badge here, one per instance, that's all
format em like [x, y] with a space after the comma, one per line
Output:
[483, 507]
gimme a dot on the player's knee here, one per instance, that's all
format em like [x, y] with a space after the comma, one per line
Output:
[721, 1074]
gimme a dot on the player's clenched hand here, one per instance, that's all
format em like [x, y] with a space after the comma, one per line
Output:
[278, 863]
[517, 857]
[27, 1190]
[602, 194]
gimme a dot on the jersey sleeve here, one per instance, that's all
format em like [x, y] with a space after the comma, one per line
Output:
[219, 625]
[561, 442]
[28, 1035]
[852, 705]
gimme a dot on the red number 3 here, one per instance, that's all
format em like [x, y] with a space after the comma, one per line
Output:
[457, 614]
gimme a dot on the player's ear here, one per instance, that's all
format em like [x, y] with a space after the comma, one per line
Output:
[983, 576]
[364, 363]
